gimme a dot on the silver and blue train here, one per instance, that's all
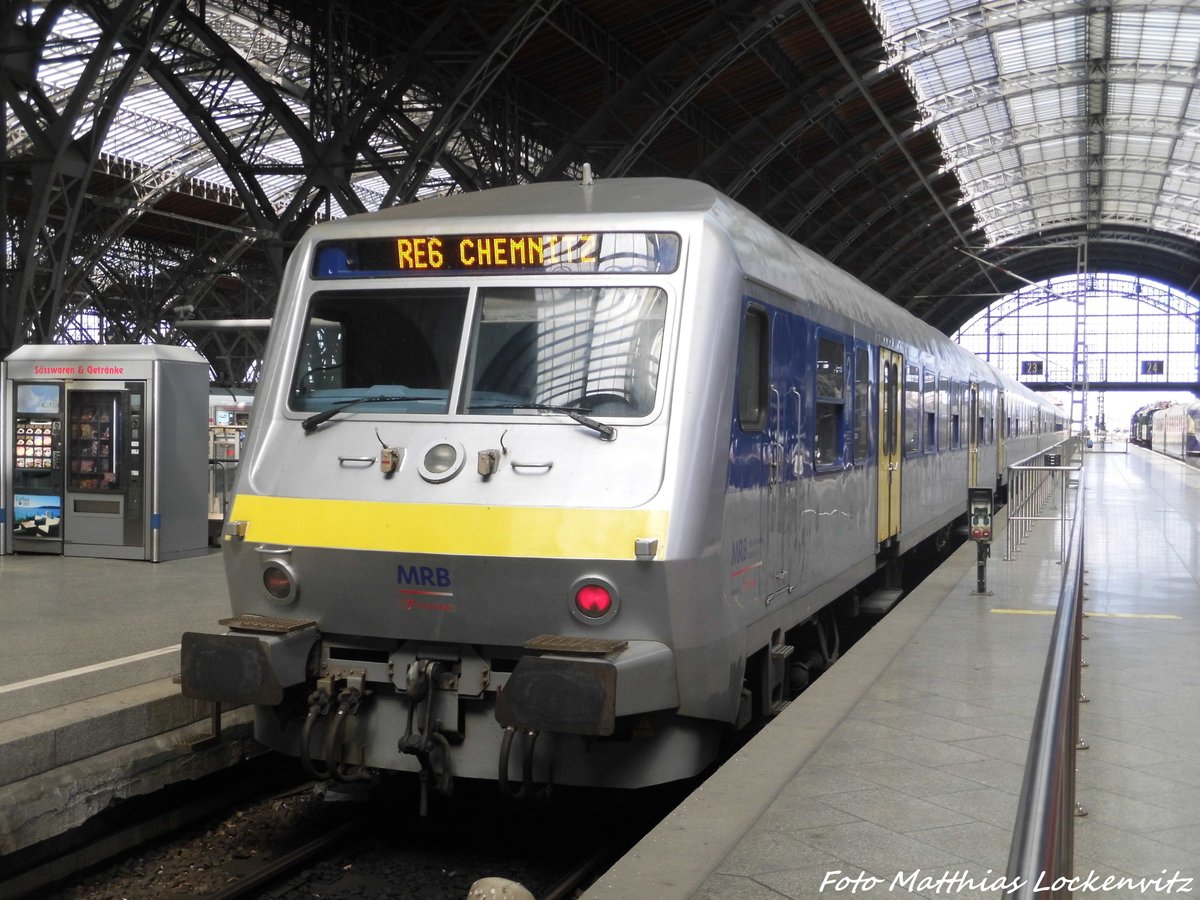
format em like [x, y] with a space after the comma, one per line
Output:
[553, 483]
[1175, 431]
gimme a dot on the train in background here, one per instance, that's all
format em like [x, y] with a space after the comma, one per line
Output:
[1141, 424]
[559, 483]
[1174, 431]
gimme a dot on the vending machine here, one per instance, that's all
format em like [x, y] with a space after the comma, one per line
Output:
[108, 451]
[228, 424]
[37, 477]
[5, 461]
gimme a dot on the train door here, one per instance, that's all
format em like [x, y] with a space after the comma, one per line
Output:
[891, 444]
[974, 426]
[748, 501]
[783, 422]
[1001, 430]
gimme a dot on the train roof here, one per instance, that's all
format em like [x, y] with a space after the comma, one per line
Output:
[766, 255]
[1190, 407]
[616, 196]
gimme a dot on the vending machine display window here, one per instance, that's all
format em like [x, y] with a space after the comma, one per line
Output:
[37, 456]
[94, 423]
[34, 444]
[38, 399]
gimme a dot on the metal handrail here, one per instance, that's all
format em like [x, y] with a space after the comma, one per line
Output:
[1041, 857]
[1030, 486]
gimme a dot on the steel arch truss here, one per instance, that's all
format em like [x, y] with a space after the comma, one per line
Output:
[272, 122]
[174, 169]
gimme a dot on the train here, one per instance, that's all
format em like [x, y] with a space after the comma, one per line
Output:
[1141, 423]
[1174, 431]
[561, 483]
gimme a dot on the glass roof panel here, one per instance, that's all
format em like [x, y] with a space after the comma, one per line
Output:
[1065, 81]
[153, 133]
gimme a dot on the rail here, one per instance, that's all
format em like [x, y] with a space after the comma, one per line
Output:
[1031, 484]
[1040, 860]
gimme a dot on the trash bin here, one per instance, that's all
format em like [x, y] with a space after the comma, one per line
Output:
[1052, 459]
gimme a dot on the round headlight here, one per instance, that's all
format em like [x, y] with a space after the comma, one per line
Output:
[441, 462]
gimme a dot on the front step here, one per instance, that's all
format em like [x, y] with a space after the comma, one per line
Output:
[880, 602]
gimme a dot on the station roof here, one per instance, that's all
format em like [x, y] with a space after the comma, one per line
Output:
[946, 152]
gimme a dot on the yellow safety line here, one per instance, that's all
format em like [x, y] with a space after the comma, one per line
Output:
[1098, 615]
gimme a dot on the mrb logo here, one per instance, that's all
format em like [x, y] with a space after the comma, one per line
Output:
[423, 576]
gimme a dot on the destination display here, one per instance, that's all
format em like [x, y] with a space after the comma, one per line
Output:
[456, 254]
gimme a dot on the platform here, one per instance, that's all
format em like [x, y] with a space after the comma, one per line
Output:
[897, 772]
[89, 711]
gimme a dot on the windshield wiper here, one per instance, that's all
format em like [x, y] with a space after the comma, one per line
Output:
[606, 432]
[310, 424]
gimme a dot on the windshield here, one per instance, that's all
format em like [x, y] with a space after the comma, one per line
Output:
[594, 349]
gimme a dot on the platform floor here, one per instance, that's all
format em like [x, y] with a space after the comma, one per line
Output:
[898, 772]
[72, 628]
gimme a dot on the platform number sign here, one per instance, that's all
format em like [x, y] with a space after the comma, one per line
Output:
[1033, 367]
[1152, 366]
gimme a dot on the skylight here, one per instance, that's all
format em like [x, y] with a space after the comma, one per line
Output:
[1057, 113]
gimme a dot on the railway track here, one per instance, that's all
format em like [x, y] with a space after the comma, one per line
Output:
[124, 828]
[300, 841]
[274, 870]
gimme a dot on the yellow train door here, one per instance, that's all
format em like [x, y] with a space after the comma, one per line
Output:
[891, 443]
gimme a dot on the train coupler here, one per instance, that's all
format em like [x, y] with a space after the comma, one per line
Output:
[424, 739]
[350, 697]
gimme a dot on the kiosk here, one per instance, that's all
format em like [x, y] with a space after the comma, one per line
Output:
[5, 467]
[105, 448]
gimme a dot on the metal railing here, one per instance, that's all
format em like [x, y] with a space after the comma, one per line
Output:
[1031, 484]
[1040, 861]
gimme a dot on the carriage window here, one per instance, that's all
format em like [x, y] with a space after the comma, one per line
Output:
[956, 400]
[944, 412]
[831, 400]
[889, 377]
[862, 395]
[912, 409]
[973, 402]
[930, 411]
[752, 371]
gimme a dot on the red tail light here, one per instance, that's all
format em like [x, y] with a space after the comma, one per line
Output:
[593, 600]
[278, 582]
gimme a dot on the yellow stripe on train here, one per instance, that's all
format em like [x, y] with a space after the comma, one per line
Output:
[460, 530]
